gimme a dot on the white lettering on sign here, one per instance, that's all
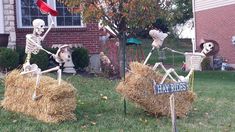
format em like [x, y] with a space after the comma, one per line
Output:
[170, 87]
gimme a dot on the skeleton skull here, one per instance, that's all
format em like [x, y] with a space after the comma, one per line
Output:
[207, 47]
[38, 25]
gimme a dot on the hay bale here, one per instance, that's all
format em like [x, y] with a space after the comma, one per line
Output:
[138, 88]
[57, 103]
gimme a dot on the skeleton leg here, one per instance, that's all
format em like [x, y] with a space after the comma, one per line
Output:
[150, 53]
[35, 96]
[182, 78]
[52, 69]
[26, 65]
[168, 72]
[165, 70]
[59, 73]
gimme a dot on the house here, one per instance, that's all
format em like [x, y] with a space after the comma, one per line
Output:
[215, 19]
[16, 19]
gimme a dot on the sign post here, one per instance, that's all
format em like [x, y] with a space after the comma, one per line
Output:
[171, 88]
[173, 117]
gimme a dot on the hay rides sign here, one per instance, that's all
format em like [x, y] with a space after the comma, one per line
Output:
[170, 87]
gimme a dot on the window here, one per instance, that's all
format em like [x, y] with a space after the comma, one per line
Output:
[29, 11]
[66, 16]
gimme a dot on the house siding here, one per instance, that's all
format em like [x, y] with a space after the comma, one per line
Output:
[209, 4]
[218, 24]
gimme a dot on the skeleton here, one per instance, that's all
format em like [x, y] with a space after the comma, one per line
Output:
[62, 55]
[207, 47]
[33, 41]
[172, 71]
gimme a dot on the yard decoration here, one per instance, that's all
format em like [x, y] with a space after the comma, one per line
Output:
[52, 101]
[33, 46]
[69, 65]
[138, 87]
[193, 59]
[57, 103]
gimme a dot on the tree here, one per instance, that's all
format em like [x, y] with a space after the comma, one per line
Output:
[121, 16]
[180, 12]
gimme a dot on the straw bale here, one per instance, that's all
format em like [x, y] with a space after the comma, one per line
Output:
[138, 88]
[57, 103]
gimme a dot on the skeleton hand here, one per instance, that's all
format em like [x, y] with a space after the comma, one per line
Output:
[52, 25]
[26, 66]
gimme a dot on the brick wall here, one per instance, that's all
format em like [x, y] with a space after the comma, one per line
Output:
[87, 36]
[218, 24]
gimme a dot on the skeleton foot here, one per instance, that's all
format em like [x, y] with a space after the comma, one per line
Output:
[35, 96]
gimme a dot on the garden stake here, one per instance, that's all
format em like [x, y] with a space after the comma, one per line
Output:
[124, 66]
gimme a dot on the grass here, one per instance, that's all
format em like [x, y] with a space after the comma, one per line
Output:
[213, 111]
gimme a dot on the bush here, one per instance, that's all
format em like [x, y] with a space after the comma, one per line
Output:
[41, 59]
[80, 58]
[206, 64]
[9, 59]
[21, 52]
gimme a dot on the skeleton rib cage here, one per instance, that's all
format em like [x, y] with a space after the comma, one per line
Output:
[31, 47]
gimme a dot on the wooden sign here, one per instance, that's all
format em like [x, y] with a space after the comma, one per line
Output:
[170, 87]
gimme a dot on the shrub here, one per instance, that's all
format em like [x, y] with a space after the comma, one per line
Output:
[80, 58]
[9, 59]
[21, 52]
[206, 64]
[41, 59]
[52, 62]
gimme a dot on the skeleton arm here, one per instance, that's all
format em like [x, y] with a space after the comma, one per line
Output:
[29, 40]
[52, 24]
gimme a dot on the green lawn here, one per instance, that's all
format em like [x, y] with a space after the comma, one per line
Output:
[214, 109]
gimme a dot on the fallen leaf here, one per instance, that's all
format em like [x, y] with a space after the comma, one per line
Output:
[105, 97]
[93, 123]
[84, 126]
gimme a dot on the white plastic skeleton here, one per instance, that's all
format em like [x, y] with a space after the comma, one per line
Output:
[33, 41]
[62, 55]
[170, 71]
[207, 47]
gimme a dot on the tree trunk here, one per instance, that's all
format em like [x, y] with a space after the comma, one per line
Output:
[122, 54]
